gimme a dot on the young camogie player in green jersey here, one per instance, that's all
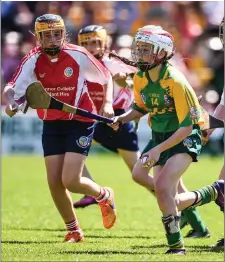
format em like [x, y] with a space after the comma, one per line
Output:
[174, 116]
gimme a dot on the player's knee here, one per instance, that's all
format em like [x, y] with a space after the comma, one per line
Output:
[72, 183]
[137, 179]
[136, 176]
[55, 184]
[161, 189]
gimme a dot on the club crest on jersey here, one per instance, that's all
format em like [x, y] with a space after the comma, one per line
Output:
[83, 141]
[68, 72]
[167, 100]
[195, 114]
[188, 142]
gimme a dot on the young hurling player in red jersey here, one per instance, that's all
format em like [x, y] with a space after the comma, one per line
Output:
[63, 69]
[125, 141]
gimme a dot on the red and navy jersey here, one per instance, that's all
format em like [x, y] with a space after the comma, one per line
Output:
[122, 97]
[63, 78]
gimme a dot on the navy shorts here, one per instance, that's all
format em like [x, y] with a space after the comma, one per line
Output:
[125, 139]
[61, 136]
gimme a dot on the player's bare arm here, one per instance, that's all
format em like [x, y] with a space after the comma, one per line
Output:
[219, 113]
[107, 108]
[8, 98]
[126, 117]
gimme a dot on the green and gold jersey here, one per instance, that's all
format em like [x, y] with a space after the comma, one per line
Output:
[171, 102]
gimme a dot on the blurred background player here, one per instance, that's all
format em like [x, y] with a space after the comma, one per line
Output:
[125, 141]
[220, 114]
[174, 113]
[66, 138]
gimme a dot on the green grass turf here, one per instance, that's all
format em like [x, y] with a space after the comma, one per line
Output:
[32, 229]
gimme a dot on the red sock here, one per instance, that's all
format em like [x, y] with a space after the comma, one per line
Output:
[72, 225]
[104, 194]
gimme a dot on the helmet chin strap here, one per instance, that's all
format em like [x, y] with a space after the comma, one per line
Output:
[52, 51]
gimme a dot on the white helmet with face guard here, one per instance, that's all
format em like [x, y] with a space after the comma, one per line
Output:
[152, 46]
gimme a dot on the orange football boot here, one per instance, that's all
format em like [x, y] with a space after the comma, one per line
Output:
[108, 210]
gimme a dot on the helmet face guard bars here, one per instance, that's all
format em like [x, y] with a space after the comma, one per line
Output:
[153, 43]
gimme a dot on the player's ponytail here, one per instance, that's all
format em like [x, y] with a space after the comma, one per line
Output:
[123, 59]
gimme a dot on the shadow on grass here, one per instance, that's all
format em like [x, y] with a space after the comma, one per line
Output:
[36, 229]
[197, 248]
[27, 242]
[104, 252]
[63, 229]
[86, 235]
[190, 248]
[148, 246]
[113, 236]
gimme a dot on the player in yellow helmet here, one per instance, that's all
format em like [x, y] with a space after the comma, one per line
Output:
[124, 142]
[66, 138]
[50, 33]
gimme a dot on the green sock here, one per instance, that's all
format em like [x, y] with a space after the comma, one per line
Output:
[208, 194]
[173, 234]
[194, 220]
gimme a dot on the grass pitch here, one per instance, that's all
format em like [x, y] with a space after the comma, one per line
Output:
[32, 229]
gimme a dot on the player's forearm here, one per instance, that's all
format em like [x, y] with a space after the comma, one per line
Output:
[108, 88]
[219, 112]
[130, 115]
[8, 95]
[175, 139]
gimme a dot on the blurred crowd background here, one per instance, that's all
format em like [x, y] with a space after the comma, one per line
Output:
[194, 24]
